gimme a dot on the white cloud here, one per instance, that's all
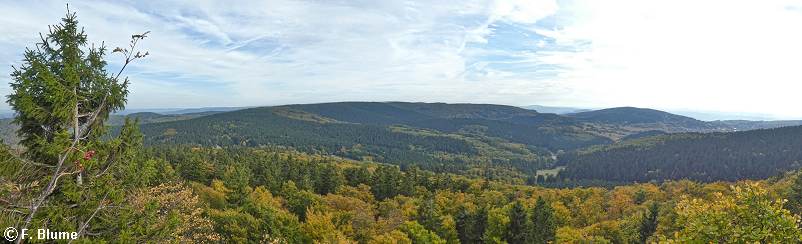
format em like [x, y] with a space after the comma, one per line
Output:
[708, 55]
[523, 11]
[705, 55]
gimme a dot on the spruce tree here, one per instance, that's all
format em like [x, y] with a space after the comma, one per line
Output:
[649, 223]
[517, 228]
[794, 203]
[428, 216]
[62, 95]
[480, 224]
[465, 223]
[328, 178]
[386, 181]
[543, 226]
[471, 226]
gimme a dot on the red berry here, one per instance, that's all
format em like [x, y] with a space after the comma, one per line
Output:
[88, 155]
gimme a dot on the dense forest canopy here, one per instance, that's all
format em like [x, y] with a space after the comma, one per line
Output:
[457, 137]
[753, 154]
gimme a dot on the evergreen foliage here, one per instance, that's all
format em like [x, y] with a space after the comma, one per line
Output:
[794, 198]
[68, 176]
[756, 154]
[649, 223]
[517, 230]
[543, 226]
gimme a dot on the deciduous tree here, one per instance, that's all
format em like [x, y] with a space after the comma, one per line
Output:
[748, 215]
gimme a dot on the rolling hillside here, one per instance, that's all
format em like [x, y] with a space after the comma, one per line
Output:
[708, 157]
[555, 110]
[150, 117]
[642, 117]
[454, 137]
[435, 135]
[9, 136]
[743, 125]
[442, 136]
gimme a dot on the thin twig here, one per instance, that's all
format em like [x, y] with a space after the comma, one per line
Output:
[86, 223]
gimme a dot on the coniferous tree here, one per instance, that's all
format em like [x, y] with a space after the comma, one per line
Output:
[357, 175]
[543, 226]
[62, 95]
[531, 180]
[517, 228]
[480, 224]
[640, 197]
[328, 180]
[464, 225]
[237, 179]
[471, 226]
[794, 203]
[649, 223]
[386, 182]
[428, 216]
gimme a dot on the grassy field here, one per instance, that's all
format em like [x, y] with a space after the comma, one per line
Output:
[550, 172]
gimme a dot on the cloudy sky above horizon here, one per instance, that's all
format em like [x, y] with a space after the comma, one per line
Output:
[712, 55]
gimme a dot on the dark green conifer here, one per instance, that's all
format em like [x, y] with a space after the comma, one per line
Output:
[517, 228]
[62, 95]
[543, 227]
[649, 223]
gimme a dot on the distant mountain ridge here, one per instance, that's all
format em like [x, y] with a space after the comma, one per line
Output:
[556, 110]
[743, 125]
[167, 111]
[631, 116]
[613, 123]
[151, 117]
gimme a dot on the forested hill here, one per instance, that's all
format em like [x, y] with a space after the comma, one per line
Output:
[150, 117]
[633, 116]
[433, 134]
[436, 136]
[709, 157]
[453, 137]
[642, 119]
[402, 112]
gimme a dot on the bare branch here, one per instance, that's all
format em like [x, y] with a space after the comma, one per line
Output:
[37, 164]
[13, 211]
[109, 164]
[51, 186]
[100, 205]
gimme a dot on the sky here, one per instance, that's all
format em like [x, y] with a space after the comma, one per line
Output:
[731, 56]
